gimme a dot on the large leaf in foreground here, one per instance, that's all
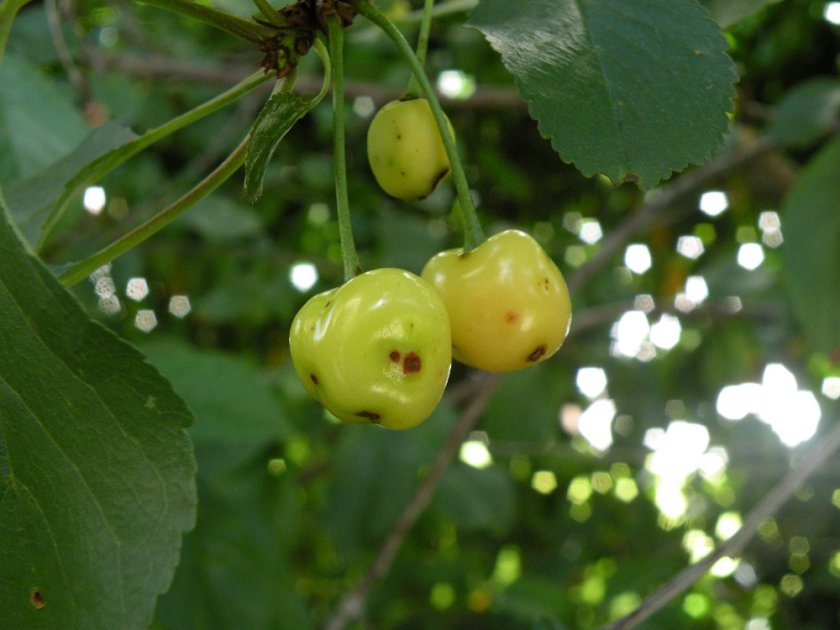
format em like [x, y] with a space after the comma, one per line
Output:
[812, 247]
[633, 90]
[96, 469]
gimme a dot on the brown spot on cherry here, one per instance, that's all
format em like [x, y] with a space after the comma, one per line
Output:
[394, 355]
[537, 354]
[370, 415]
[441, 175]
[412, 363]
[36, 599]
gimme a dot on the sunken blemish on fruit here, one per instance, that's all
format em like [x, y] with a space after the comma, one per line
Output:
[394, 356]
[511, 317]
[313, 378]
[537, 354]
[440, 177]
[412, 363]
[369, 415]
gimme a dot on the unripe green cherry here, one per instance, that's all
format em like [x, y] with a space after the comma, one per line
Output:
[377, 349]
[405, 150]
[508, 303]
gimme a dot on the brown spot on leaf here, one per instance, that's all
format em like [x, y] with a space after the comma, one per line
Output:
[313, 378]
[36, 599]
[537, 354]
[394, 356]
[411, 363]
[369, 415]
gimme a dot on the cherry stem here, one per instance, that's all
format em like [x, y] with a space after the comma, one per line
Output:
[335, 33]
[473, 234]
[422, 45]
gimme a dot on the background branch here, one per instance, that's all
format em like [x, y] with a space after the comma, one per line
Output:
[352, 604]
[810, 460]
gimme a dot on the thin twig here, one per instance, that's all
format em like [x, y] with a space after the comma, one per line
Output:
[62, 50]
[811, 459]
[353, 603]
[159, 67]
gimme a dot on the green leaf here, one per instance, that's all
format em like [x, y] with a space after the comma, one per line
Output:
[531, 397]
[811, 226]
[806, 113]
[96, 468]
[729, 12]
[235, 570]
[30, 199]
[376, 471]
[230, 397]
[220, 219]
[38, 121]
[631, 90]
[477, 499]
[279, 114]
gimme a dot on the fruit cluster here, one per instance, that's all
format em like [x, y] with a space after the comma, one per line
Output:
[378, 349]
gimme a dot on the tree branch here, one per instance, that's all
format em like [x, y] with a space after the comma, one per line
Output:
[810, 460]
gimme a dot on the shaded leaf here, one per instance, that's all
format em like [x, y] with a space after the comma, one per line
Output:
[525, 405]
[806, 113]
[729, 12]
[230, 397]
[279, 114]
[376, 473]
[96, 469]
[477, 499]
[235, 569]
[219, 219]
[633, 91]
[30, 199]
[812, 247]
[37, 120]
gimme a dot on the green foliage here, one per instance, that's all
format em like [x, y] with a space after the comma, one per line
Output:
[38, 122]
[812, 252]
[612, 94]
[97, 479]
[568, 505]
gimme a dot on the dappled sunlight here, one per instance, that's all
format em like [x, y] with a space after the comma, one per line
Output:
[145, 320]
[590, 231]
[690, 246]
[179, 306]
[303, 276]
[137, 289]
[714, 203]
[474, 453]
[637, 258]
[94, 199]
[456, 84]
[591, 381]
[791, 413]
[595, 424]
[750, 256]
[831, 13]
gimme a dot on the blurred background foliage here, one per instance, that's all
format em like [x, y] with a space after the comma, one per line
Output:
[590, 479]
